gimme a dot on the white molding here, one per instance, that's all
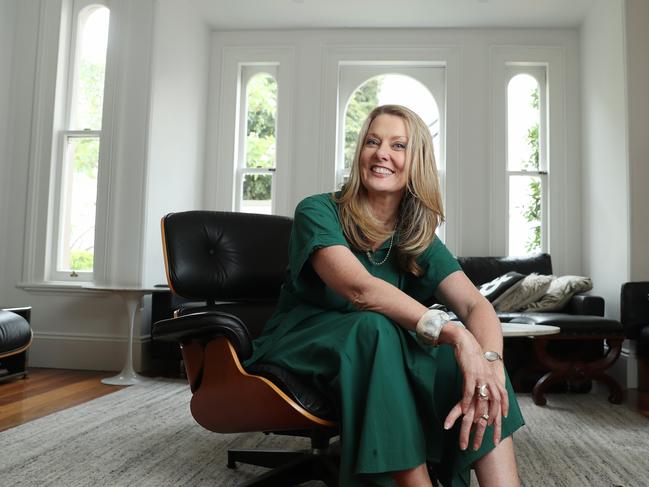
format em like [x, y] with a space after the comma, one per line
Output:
[38, 208]
[90, 337]
[87, 351]
[223, 155]
[553, 57]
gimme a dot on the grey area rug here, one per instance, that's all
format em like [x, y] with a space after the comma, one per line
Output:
[144, 436]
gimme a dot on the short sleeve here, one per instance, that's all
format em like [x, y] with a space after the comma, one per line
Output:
[437, 262]
[315, 226]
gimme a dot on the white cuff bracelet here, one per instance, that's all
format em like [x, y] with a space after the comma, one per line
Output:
[430, 325]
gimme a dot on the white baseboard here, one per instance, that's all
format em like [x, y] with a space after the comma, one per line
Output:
[87, 351]
[625, 369]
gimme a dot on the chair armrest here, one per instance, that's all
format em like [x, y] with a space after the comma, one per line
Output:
[205, 326]
[585, 304]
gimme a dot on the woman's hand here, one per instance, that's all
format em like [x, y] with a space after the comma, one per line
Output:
[478, 411]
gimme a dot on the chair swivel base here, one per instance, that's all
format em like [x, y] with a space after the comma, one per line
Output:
[289, 467]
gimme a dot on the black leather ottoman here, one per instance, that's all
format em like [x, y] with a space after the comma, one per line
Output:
[15, 340]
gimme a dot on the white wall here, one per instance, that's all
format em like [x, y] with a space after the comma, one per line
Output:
[637, 66]
[177, 124]
[310, 144]
[7, 17]
[604, 153]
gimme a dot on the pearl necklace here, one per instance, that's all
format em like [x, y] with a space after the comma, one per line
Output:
[369, 254]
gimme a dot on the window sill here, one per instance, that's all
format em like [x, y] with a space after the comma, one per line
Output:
[60, 288]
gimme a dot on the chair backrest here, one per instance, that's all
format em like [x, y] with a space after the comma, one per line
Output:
[484, 269]
[225, 256]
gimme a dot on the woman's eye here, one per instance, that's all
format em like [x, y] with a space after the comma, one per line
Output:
[400, 146]
[372, 142]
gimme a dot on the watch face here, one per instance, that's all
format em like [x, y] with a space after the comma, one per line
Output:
[492, 356]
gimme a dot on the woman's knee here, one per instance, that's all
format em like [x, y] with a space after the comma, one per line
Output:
[371, 324]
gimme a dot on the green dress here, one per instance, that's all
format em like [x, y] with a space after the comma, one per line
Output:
[392, 394]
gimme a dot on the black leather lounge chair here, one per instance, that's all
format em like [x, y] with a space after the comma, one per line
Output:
[233, 264]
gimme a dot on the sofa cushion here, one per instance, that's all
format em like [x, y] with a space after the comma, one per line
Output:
[492, 290]
[526, 291]
[559, 293]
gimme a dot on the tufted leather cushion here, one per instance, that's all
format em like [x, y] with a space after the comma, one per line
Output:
[485, 269]
[15, 332]
[307, 397]
[226, 256]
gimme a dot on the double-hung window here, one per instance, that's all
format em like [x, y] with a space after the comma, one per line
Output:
[77, 144]
[257, 140]
[527, 161]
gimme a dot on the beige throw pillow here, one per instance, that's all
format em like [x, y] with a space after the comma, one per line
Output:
[560, 292]
[527, 291]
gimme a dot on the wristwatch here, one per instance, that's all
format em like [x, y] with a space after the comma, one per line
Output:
[492, 356]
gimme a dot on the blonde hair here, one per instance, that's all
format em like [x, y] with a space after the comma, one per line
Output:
[420, 211]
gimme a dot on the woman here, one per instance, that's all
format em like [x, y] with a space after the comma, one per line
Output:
[350, 321]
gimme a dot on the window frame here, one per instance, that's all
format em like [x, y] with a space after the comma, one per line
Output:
[220, 173]
[247, 72]
[353, 75]
[539, 73]
[561, 212]
[65, 98]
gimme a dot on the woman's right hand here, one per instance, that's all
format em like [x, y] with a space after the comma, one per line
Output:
[476, 372]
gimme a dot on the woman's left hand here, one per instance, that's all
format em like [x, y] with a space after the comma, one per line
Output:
[478, 411]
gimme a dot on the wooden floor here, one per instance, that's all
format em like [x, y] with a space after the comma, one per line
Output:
[45, 391]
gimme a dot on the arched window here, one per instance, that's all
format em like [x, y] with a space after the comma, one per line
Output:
[79, 144]
[362, 88]
[257, 148]
[526, 161]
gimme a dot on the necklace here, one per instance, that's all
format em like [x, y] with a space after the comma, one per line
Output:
[369, 254]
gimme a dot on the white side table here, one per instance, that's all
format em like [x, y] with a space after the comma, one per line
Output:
[525, 330]
[132, 297]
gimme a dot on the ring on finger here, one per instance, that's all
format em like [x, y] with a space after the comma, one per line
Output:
[485, 416]
[482, 391]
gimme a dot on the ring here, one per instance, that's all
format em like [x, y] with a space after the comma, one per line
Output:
[482, 391]
[485, 416]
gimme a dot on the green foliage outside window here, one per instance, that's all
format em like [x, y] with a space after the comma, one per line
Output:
[81, 260]
[364, 100]
[532, 212]
[91, 95]
[260, 135]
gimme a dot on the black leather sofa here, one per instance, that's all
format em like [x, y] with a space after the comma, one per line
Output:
[567, 361]
[564, 362]
[634, 311]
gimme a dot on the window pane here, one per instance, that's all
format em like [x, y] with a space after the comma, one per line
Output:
[78, 201]
[523, 119]
[524, 215]
[90, 68]
[389, 89]
[257, 193]
[262, 120]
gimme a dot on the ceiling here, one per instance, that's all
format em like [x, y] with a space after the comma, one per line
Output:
[304, 14]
